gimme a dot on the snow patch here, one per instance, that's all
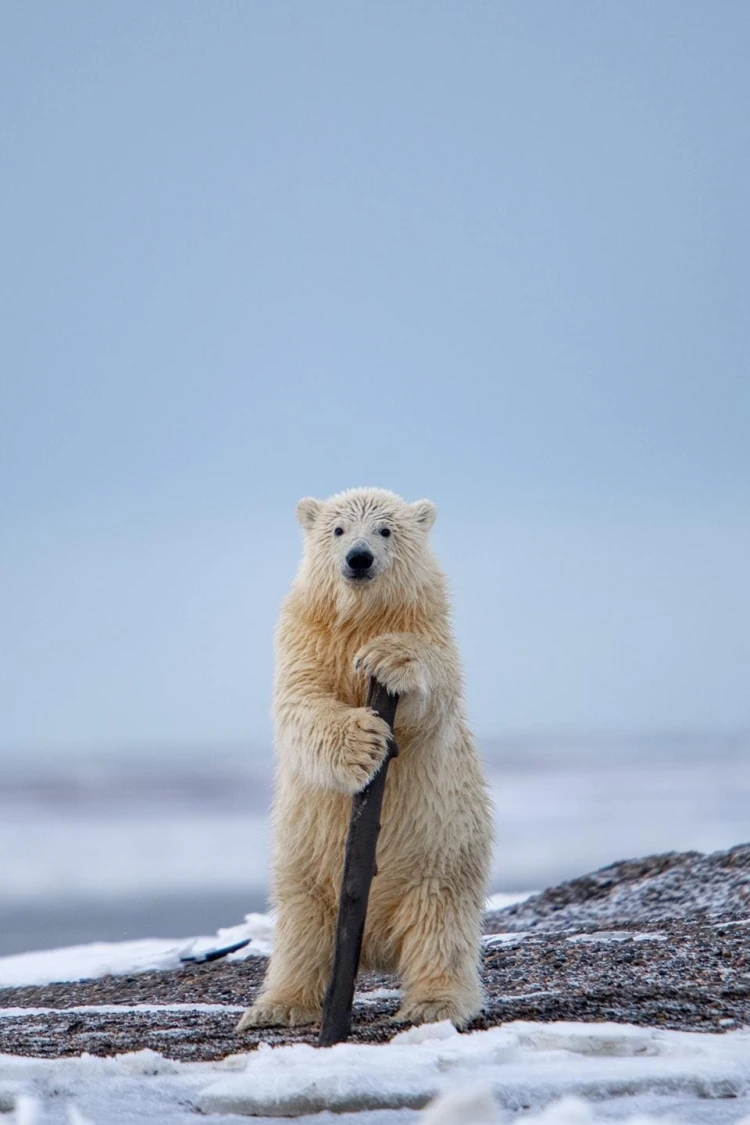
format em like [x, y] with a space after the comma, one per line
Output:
[80, 962]
[10, 1092]
[118, 1009]
[258, 929]
[479, 1078]
[463, 1107]
[377, 994]
[86, 962]
[617, 935]
[478, 1107]
[27, 1110]
[489, 940]
[525, 1064]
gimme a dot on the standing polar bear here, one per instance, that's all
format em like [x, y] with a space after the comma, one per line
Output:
[370, 600]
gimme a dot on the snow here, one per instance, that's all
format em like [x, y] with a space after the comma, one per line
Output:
[120, 1009]
[546, 1074]
[102, 1091]
[489, 940]
[625, 1072]
[543, 1071]
[258, 928]
[478, 1107]
[149, 829]
[467, 1106]
[614, 935]
[526, 1064]
[97, 959]
[85, 962]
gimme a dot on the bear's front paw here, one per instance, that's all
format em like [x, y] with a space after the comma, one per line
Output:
[267, 1012]
[434, 1011]
[394, 663]
[365, 746]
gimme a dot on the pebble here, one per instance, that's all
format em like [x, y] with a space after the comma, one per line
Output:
[662, 941]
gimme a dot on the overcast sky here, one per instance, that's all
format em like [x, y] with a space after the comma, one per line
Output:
[495, 254]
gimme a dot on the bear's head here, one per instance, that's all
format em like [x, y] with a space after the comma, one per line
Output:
[367, 544]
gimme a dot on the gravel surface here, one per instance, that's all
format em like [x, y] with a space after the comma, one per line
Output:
[663, 941]
[660, 887]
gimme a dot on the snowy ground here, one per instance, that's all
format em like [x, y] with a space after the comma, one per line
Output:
[622, 1072]
[98, 959]
[152, 828]
[516, 1071]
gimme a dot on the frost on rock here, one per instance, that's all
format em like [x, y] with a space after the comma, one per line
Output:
[524, 1064]
[653, 889]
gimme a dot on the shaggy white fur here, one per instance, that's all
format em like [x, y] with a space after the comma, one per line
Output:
[337, 628]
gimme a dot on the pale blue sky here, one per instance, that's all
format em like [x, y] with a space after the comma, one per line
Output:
[491, 253]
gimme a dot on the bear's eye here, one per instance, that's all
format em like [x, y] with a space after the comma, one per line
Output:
[385, 532]
[338, 531]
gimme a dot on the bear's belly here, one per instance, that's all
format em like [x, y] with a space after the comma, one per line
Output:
[423, 819]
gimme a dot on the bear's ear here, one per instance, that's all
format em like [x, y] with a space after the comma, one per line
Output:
[308, 511]
[424, 513]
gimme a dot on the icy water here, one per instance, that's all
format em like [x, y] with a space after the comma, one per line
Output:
[170, 844]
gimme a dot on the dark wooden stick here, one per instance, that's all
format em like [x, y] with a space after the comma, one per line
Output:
[359, 869]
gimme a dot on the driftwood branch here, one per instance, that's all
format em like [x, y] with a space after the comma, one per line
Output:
[359, 869]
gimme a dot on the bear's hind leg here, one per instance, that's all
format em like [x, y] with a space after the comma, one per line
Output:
[439, 963]
[299, 968]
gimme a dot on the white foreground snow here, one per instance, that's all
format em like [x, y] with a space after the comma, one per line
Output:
[526, 1064]
[534, 1072]
[477, 1106]
[624, 1073]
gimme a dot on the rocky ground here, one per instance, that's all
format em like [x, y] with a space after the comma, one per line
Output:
[663, 941]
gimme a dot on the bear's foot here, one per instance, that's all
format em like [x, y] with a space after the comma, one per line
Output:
[267, 1012]
[433, 1011]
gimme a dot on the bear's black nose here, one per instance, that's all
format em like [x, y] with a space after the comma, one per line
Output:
[359, 558]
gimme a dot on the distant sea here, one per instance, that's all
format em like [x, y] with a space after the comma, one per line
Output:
[174, 843]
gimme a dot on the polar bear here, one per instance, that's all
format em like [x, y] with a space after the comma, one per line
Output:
[370, 600]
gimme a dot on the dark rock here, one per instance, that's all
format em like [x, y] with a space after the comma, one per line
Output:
[679, 957]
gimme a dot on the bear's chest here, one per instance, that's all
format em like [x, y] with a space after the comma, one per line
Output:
[335, 655]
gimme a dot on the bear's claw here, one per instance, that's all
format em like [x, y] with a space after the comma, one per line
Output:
[270, 1013]
[389, 660]
[365, 746]
[433, 1011]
